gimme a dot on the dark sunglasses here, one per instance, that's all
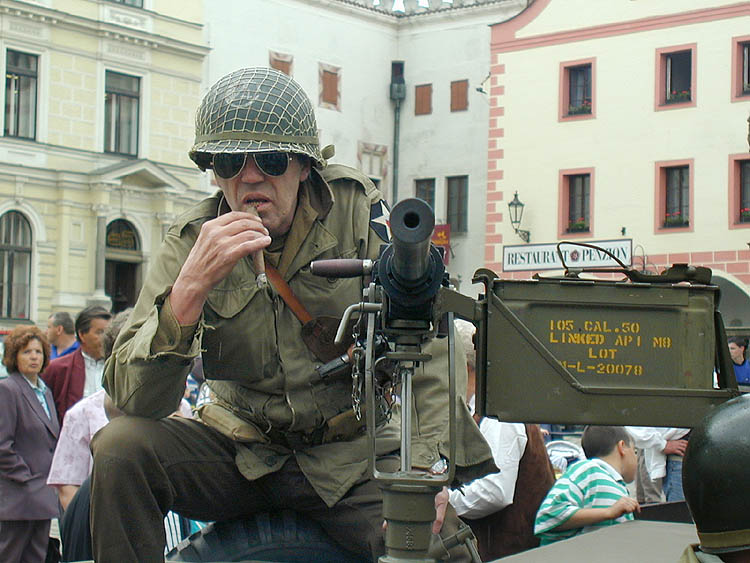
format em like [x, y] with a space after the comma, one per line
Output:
[227, 165]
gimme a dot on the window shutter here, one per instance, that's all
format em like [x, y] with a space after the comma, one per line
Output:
[423, 99]
[459, 95]
[282, 66]
[330, 87]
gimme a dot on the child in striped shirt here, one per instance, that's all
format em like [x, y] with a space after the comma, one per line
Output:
[591, 494]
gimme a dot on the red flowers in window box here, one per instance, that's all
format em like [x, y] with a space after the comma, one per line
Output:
[676, 96]
[675, 220]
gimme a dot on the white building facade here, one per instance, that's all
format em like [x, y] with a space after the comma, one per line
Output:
[631, 127]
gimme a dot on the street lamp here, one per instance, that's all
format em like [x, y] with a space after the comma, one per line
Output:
[515, 208]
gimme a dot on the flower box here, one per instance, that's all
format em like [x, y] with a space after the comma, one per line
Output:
[675, 220]
[584, 108]
[677, 97]
[578, 226]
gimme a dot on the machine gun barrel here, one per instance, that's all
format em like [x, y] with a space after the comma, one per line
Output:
[412, 223]
[411, 268]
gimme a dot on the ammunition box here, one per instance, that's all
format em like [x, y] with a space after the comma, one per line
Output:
[599, 352]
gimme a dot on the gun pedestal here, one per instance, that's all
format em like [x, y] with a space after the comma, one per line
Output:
[409, 511]
[400, 305]
[409, 495]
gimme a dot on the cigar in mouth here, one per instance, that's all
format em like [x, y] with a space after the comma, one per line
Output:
[258, 262]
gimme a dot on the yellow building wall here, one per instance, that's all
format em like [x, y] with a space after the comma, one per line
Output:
[63, 180]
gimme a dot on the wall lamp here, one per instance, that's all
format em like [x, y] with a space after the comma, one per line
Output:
[515, 208]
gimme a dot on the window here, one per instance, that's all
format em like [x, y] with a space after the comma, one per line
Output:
[280, 62]
[15, 261]
[425, 190]
[578, 203]
[675, 81]
[458, 195]
[121, 101]
[677, 202]
[460, 95]
[577, 89]
[330, 92]
[373, 161]
[575, 203]
[740, 68]
[677, 78]
[20, 94]
[745, 68]
[121, 235]
[134, 3]
[423, 99]
[744, 212]
[739, 191]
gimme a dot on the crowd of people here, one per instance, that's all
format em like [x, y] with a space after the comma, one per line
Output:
[96, 423]
[52, 404]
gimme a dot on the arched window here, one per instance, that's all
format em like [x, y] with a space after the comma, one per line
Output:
[121, 235]
[15, 260]
[122, 267]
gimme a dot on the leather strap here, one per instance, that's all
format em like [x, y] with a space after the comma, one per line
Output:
[286, 293]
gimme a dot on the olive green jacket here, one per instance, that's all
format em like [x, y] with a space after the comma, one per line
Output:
[253, 354]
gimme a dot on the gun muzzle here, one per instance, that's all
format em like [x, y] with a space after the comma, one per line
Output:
[412, 222]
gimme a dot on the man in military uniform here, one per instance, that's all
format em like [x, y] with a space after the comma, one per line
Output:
[274, 435]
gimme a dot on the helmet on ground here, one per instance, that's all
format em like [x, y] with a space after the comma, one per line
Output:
[255, 110]
[713, 475]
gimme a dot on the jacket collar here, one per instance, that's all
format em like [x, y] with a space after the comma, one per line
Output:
[28, 394]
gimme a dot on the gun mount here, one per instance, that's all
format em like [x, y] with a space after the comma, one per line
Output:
[649, 350]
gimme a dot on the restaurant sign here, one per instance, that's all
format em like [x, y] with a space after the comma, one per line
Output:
[544, 256]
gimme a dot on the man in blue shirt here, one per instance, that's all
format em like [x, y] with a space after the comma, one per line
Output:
[61, 334]
[737, 346]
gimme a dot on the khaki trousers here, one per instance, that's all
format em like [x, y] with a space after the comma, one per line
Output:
[143, 468]
[647, 491]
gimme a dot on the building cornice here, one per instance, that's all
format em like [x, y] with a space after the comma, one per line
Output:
[97, 159]
[413, 15]
[102, 29]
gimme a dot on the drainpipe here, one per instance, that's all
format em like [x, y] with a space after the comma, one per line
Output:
[398, 93]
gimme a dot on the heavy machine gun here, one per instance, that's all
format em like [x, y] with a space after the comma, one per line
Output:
[650, 350]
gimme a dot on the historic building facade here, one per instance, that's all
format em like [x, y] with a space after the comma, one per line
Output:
[623, 122]
[433, 140]
[99, 100]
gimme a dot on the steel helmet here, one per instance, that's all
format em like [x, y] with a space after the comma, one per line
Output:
[255, 110]
[714, 472]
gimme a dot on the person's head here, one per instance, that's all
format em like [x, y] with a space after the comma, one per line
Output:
[90, 325]
[26, 350]
[737, 347]
[59, 324]
[113, 330]
[256, 129]
[714, 471]
[614, 445]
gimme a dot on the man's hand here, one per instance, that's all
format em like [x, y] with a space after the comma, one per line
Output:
[624, 505]
[441, 505]
[676, 447]
[222, 243]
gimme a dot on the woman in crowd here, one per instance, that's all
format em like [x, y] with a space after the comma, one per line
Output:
[28, 433]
